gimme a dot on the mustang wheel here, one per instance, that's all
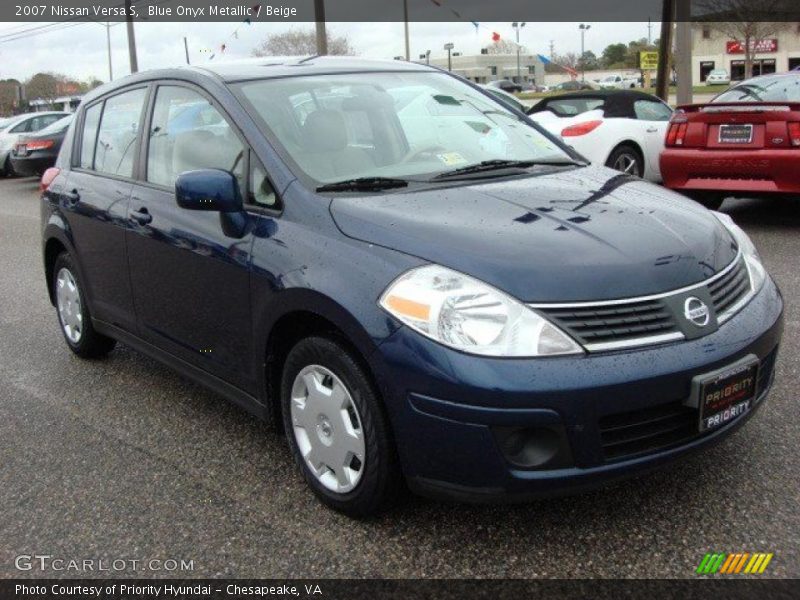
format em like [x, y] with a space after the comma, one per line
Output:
[337, 429]
[73, 313]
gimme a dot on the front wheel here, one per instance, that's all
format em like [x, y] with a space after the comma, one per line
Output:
[626, 159]
[337, 429]
[711, 200]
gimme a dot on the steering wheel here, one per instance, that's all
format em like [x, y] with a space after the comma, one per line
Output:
[429, 150]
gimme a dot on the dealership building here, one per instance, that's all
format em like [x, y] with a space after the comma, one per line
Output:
[484, 67]
[712, 49]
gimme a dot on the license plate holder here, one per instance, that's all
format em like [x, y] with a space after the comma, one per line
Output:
[735, 134]
[727, 393]
[21, 150]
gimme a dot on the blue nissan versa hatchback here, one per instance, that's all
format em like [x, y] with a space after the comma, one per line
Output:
[416, 281]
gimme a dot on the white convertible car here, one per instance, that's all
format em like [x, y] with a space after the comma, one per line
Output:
[622, 129]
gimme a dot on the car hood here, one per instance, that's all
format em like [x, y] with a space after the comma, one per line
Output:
[574, 235]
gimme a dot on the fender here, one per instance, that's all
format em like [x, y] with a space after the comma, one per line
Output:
[293, 300]
[57, 228]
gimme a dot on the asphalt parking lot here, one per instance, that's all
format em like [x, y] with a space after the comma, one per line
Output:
[123, 459]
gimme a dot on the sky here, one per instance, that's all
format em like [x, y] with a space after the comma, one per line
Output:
[80, 51]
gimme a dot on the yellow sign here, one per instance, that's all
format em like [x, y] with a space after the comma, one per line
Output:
[648, 59]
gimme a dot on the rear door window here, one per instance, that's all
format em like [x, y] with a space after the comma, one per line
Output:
[119, 128]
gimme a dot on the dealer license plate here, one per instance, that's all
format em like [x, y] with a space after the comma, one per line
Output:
[735, 134]
[727, 394]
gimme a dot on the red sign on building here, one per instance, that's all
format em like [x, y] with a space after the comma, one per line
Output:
[756, 46]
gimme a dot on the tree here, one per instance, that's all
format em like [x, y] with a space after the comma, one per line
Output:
[502, 47]
[9, 96]
[302, 43]
[588, 62]
[614, 55]
[43, 86]
[744, 21]
[89, 84]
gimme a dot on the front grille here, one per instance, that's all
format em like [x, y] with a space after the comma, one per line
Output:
[626, 435]
[729, 289]
[615, 323]
[618, 324]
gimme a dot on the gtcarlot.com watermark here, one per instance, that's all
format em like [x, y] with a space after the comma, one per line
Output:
[50, 563]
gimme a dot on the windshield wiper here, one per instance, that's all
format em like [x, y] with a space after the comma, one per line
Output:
[501, 164]
[363, 184]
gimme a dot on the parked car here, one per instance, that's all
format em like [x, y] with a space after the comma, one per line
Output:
[433, 290]
[619, 82]
[34, 153]
[574, 85]
[506, 85]
[718, 77]
[623, 130]
[509, 99]
[19, 125]
[745, 141]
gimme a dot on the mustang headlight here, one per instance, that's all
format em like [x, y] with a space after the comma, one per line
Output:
[468, 315]
[758, 274]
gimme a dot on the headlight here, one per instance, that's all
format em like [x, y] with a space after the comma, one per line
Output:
[466, 314]
[755, 267]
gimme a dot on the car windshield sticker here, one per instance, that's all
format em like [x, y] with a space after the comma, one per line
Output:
[451, 158]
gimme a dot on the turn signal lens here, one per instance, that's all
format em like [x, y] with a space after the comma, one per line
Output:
[580, 128]
[794, 133]
[48, 178]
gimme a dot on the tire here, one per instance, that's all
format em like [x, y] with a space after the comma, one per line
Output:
[711, 200]
[626, 159]
[357, 487]
[8, 168]
[73, 312]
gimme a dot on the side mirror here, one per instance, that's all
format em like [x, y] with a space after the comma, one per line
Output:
[208, 189]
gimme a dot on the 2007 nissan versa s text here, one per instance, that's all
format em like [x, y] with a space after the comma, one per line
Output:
[411, 277]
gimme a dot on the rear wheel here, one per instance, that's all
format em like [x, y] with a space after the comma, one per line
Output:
[711, 200]
[8, 168]
[73, 312]
[337, 429]
[626, 159]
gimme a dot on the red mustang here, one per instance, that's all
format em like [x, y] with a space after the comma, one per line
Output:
[746, 141]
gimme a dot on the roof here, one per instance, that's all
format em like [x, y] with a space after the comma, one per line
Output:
[264, 68]
[629, 95]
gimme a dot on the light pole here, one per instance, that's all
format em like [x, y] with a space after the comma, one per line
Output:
[584, 28]
[449, 47]
[517, 27]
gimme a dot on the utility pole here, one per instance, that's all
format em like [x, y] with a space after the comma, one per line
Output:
[322, 35]
[108, 45]
[186, 49]
[664, 49]
[131, 38]
[552, 49]
[584, 28]
[683, 51]
[649, 32]
[517, 27]
[405, 19]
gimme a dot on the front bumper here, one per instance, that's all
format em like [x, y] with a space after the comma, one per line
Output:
[742, 170]
[447, 407]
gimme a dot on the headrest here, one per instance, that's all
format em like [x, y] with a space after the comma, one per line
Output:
[324, 131]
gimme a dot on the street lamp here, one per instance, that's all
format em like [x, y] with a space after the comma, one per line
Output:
[517, 27]
[584, 28]
[449, 46]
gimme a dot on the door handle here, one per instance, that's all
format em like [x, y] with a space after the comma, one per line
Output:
[72, 198]
[651, 129]
[141, 216]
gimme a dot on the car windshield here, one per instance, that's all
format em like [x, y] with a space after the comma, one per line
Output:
[395, 125]
[56, 127]
[781, 88]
